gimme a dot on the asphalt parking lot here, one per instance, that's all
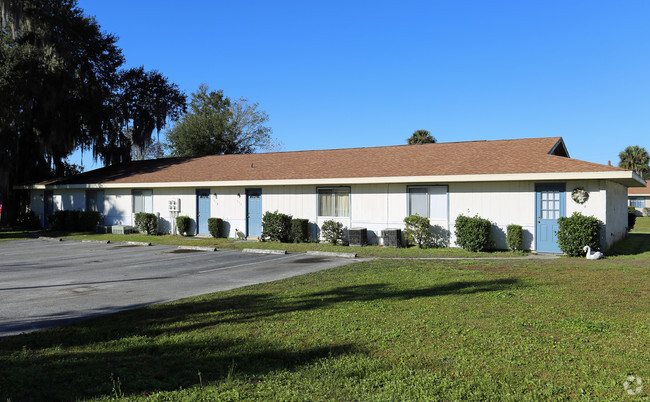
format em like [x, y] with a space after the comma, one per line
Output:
[45, 284]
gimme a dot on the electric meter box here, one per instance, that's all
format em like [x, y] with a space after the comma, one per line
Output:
[174, 205]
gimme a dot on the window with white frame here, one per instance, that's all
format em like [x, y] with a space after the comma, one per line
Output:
[637, 202]
[142, 201]
[428, 202]
[334, 201]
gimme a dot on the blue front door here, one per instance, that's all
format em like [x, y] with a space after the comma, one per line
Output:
[253, 212]
[202, 210]
[550, 205]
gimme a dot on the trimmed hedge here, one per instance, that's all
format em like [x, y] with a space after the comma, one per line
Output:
[473, 234]
[28, 220]
[418, 231]
[578, 231]
[215, 227]
[74, 221]
[631, 217]
[276, 226]
[146, 222]
[88, 220]
[300, 230]
[333, 232]
[514, 237]
[183, 224]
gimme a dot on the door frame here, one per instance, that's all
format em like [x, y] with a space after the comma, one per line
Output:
[539, 187]
[249, 191]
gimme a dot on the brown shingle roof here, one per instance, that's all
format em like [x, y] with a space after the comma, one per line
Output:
[460, 158]
[639, 190]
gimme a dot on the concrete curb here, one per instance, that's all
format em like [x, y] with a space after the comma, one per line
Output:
[332, 254]
[263, 251]
[50, 238]
[137, 243]
[96, 241]
[200, 248]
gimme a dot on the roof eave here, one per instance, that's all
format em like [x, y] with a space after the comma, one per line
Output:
[624, 177]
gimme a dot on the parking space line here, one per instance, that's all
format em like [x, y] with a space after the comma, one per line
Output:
[243, 265]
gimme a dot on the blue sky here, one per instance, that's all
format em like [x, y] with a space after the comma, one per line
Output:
[342, 74]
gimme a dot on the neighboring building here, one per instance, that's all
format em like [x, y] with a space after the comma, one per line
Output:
[639, 198]
[528, 182]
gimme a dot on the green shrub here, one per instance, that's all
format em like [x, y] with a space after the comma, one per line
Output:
[52, 222]
[300, 230]
[215, 227]
[473, 234]
[71, 219]
[88, 220]
[276, 226]
[146, 222]
[514, 237]
[578, 231]
[332, 232]
[183, 224]
[631, 217]
[418, 231]
[28, 220]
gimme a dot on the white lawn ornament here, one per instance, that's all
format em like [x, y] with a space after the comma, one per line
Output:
[592, 255]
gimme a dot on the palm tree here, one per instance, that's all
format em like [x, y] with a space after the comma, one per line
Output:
[634, 158]
[421, 137]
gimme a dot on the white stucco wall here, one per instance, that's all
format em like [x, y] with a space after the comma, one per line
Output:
[596, 204]
[230, 205]
[607, 202]
[161, 198]
[373, 206]
[118, 207]
[70, 200]
[501, 203]
[371, 209]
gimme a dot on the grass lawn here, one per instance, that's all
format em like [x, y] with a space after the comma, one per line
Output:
[642, 225]
[378, 330]
[368, 251]
[637, 243]
[7, 233]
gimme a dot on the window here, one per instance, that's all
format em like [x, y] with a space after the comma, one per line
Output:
[428, 202]
[142, 201]
[637, 202]
[550, 204]
[419, 201]
[334, 201]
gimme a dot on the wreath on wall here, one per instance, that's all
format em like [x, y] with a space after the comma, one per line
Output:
[580, 195]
